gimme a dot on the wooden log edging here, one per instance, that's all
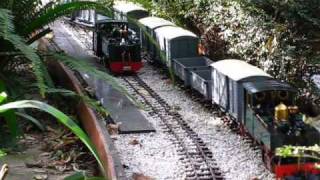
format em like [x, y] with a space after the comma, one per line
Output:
[96, 130]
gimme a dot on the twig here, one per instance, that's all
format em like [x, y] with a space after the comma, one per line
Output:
[4, 171]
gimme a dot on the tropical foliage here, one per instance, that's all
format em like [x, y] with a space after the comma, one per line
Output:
[21, 24]
[60, 116]
[281, 37]
[19, 29]
[299, 152]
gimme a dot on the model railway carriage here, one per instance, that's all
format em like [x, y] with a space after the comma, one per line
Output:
[118, 48]
[175, 42]
[147, 34]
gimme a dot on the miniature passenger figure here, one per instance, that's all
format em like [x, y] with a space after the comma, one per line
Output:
[124, 32]
[116, 33]
[293, 110]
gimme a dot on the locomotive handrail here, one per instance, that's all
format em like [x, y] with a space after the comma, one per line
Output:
[261, 120]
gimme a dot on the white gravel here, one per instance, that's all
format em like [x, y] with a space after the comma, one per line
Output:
[153, 156]
[316, 79]
[156, 156]
[236, 158]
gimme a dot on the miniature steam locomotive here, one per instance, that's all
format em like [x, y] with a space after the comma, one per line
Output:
[117, 46]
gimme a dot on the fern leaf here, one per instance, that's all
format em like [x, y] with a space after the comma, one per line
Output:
[85, 67]
[7, 33]
[86, 99]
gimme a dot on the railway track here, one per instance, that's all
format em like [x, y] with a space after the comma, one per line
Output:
[194, 154]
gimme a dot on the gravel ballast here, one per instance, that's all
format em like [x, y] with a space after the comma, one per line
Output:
[154, 155]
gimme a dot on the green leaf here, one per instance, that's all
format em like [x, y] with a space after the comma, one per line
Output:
[32, 119]
[2, 153]
[3, 97]
[81, 176]
[9, 116]
[93, 103]
[12, 123]
[60, 116]
[83, 66]
[7, 33]
[76, 176]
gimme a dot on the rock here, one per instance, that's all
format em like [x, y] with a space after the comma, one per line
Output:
[113, 129]
[40, 177]
[138, 176]
[134, 142]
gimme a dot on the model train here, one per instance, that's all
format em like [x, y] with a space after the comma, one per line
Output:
[115, 42]
[259, 105]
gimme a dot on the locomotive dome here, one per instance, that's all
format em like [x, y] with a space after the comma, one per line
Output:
[238, 70]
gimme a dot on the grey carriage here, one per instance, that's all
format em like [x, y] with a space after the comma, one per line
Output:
[182, 67]
[175, 42]
[150, 24]
[200, 80]
[124, 9]
[228, 77]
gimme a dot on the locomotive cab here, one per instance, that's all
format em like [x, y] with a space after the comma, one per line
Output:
[271, 103]
[117, 46]
[272, 119]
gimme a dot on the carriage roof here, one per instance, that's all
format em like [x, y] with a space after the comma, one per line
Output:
[267, 85]
[172, 32]
[155, 22]
[238, 69]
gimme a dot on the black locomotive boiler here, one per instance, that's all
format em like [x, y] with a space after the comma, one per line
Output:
[117, 46]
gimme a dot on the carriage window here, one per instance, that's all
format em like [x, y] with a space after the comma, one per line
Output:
[283, 95]
[260, 97]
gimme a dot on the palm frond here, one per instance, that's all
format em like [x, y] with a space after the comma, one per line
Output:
[7, 33]
[86, 99]
[53, 12]
[83, 66]
[39, 35]
[22, 10]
